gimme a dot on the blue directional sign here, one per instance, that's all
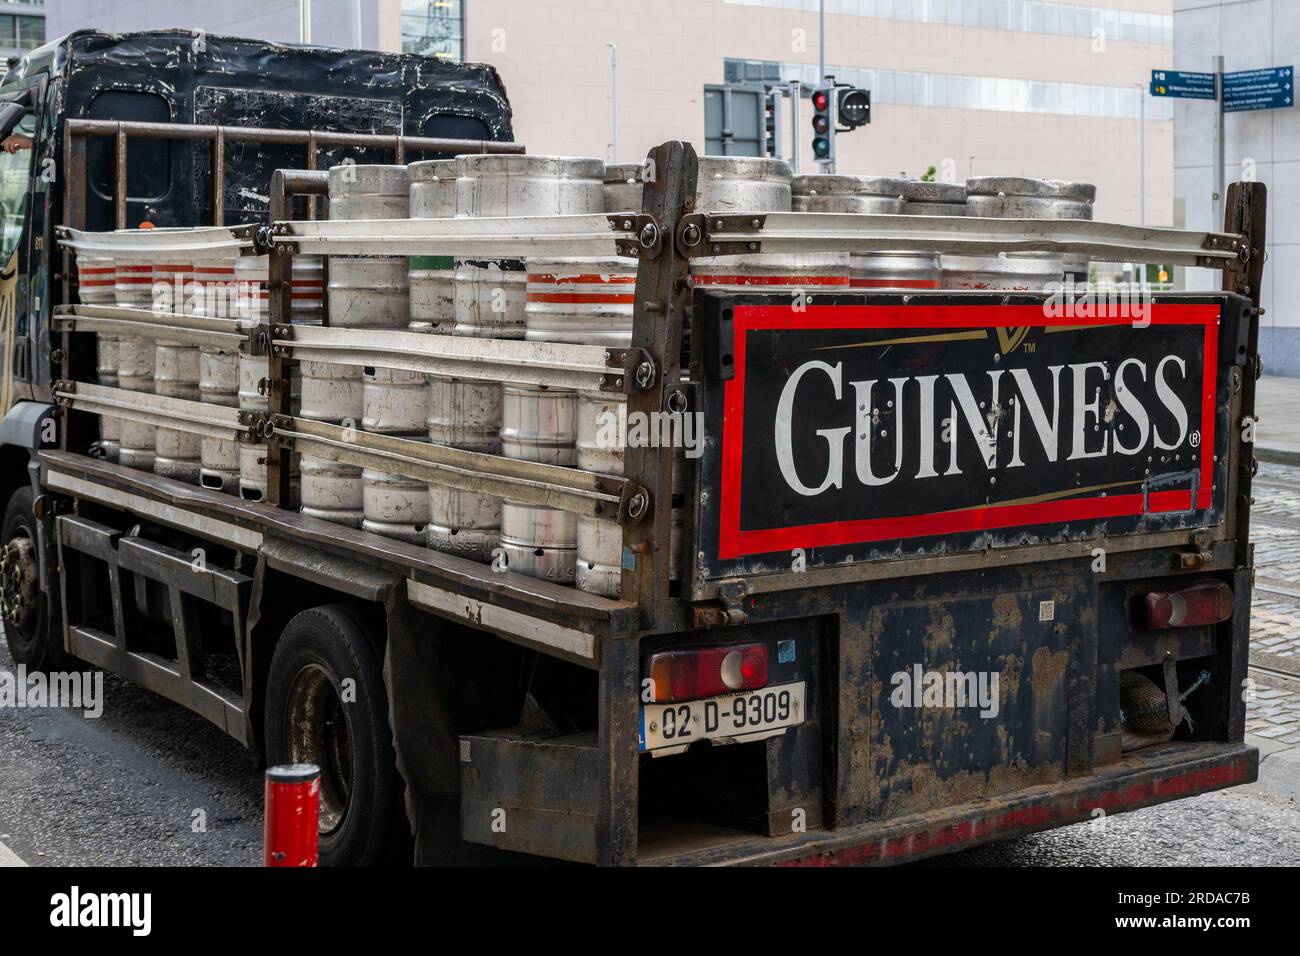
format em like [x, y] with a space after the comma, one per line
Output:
[1269, 89]
[1188, 86]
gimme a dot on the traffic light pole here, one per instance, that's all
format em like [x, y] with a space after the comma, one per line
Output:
[796, 89]
[1219, 160]
[821, 39]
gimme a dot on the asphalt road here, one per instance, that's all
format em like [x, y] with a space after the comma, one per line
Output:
[145, 784]
[148, 783]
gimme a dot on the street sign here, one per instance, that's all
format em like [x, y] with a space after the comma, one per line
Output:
[1178, 83]
[1269, 89]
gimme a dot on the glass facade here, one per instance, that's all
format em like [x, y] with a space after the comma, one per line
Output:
[1029, 16]
[22, 25]
[906, 88]
[434, 28]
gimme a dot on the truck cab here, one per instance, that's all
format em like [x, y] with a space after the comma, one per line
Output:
[176, 77]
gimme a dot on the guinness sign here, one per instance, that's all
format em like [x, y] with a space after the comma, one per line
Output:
[859, 430]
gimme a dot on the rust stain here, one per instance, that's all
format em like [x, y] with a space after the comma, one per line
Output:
[1006, 613]
[939, 635]
[1048, 668]
[1009, 682]
[918, 788]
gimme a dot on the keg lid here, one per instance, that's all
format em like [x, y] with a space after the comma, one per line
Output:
[1032, 188]
[429, 170]
[917, 190]
[361, 179]
[752, 168]
[522, 164]
[624, 173]
[847, 186]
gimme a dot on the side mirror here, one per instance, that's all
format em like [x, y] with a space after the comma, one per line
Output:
[11, 114]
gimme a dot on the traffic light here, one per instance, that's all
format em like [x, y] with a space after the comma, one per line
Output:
[854, 106]
[772, 123]
[823, 123]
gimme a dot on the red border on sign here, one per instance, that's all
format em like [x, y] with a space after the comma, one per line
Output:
[736, 543]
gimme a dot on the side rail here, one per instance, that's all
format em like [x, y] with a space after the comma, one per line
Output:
[144, 328]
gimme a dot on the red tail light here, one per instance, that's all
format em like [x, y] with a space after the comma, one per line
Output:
[1207, 603]
[707, 672]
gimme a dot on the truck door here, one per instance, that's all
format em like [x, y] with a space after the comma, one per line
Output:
[22, 294]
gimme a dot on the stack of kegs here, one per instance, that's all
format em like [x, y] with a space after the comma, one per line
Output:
[892, 271]
[365, 292]
[133, 288]
[97, 285]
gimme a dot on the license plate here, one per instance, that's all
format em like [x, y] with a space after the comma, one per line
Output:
[731, 715]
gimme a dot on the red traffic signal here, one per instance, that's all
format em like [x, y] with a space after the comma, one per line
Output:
[823, 123]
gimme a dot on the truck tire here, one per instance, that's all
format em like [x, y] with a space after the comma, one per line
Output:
[308, 721]
[23, 606]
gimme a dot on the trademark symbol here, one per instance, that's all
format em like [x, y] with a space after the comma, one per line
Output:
[1195, 439]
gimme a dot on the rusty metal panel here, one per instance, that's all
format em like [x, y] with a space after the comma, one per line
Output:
[948, 696]
[531, 794]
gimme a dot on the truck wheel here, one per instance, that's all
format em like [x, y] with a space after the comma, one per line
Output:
[23, 606]
[313, 716]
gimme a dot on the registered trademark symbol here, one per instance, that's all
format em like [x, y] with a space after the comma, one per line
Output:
[1195, 439]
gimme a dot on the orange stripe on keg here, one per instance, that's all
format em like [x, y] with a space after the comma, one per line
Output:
[770, 280]
[894, 283]
[581, 279]
[579, 298]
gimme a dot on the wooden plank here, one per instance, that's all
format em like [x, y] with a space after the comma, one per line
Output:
[570, 643]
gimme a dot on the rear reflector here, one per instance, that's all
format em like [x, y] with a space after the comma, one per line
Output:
[707, 672]
[1207, 603]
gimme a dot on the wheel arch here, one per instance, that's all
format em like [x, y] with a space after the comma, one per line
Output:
[291, 578]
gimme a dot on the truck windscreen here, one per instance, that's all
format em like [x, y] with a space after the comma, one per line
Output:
[15, 178]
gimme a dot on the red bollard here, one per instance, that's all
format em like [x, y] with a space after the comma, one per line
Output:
[292, 832]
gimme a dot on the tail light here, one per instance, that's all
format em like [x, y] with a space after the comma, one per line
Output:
[1207, 603]
[707, 672]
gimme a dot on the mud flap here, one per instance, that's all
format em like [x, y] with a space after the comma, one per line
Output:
[424, 737]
